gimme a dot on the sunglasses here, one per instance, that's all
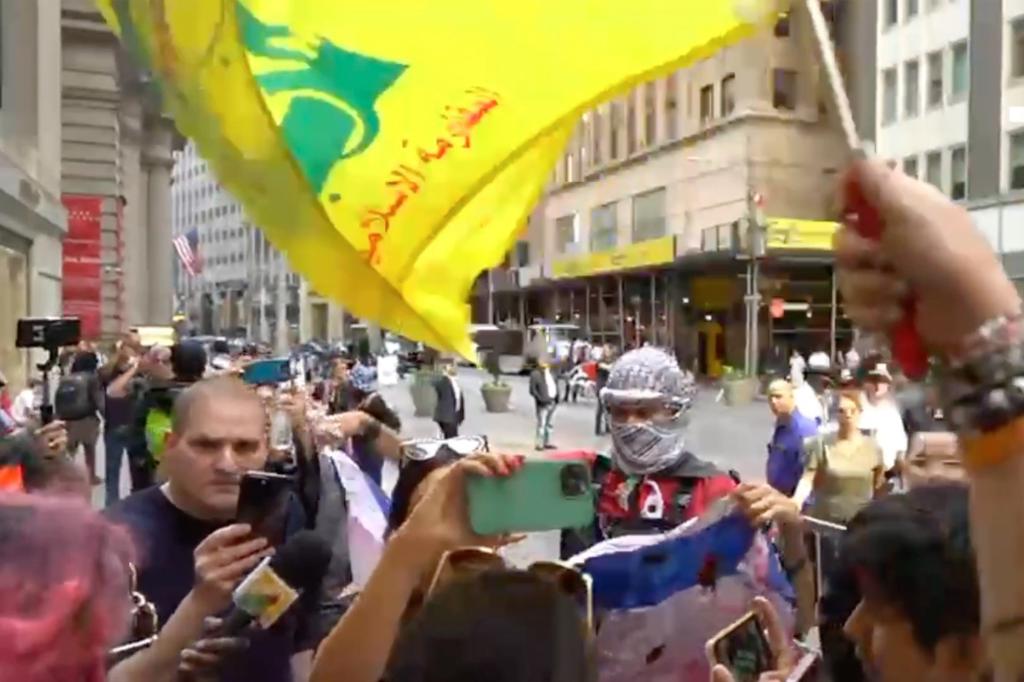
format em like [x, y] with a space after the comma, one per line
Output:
[470, 561]
[420, 450]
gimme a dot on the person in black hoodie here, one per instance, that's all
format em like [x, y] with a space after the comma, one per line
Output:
[188, 364]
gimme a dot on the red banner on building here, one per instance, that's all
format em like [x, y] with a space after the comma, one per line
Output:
[82, 264]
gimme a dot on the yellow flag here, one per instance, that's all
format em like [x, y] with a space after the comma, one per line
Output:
[393, 149]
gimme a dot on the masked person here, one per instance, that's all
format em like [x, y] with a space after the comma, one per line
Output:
[650, 482]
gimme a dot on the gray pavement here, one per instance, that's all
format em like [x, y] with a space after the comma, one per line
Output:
[731, 437]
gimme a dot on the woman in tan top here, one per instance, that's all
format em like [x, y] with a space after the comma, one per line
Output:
[843, 475]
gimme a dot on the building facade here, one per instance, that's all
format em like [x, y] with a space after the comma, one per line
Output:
[244, 283]
[32, 220]
[946, 101]
[115, 162]
[680, 210]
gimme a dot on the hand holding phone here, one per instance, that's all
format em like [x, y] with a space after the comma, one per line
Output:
[755, 644]
[263, 504]
[541, 495]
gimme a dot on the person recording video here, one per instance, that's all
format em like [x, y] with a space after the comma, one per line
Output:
[192, 553]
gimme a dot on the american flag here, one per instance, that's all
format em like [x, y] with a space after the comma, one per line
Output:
[187, 246]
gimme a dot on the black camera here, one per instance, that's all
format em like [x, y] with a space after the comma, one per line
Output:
[48, 332]
[575, 480]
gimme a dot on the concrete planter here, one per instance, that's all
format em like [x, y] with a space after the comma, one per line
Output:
[424, 397]
[740, 391]
[496, 397]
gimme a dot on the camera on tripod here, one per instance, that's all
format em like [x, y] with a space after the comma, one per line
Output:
[48, 332]
[51, 334]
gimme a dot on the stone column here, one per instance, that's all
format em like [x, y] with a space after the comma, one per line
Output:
[156, 157]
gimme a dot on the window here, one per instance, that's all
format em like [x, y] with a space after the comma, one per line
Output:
[522, 253]
[910, 166]
[616, 124]
[707, 103]
[1017, 48]
[631, 124]
[728, 95]
[911, 9]
[566, 232]
[892, 13]
[649, 215]
[782, 26]
[671, 106]
[911, 88]
[933, 168]
[936, 88]
[889, 95]
[595, 138]
[604, 227]
[958, 173]
[650, 114]
[784, 89]
[1017, 160]
[960, 77]
[570, 167]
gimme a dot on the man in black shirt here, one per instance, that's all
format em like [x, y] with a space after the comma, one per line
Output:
[117, 410]
[191, 555]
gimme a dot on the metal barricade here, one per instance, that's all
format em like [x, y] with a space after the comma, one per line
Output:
[820, 528]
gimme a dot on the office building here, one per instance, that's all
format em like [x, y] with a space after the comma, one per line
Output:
[946, 101]
[683, 209]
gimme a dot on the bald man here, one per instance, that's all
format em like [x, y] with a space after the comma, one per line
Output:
[191, 554]
[785, 451]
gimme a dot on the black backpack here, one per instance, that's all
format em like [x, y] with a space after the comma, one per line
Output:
[74, 398]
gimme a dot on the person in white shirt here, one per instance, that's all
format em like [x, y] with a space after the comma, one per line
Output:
[881, 417]
[797, 365]
[23, 410]
[852, 359]
[544, 392]
[807, 401]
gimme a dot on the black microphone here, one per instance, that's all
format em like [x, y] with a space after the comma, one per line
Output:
[277, 582]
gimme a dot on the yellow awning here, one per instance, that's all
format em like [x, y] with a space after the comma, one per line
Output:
[639, 255]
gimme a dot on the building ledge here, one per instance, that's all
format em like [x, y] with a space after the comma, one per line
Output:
[708, 131]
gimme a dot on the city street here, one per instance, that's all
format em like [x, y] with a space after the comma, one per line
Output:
[732, 437]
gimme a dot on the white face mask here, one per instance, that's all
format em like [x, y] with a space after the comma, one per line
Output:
[648, 447]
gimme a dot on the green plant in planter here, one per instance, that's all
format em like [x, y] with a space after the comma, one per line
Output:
[496, 392]
[730, 373]
[738, 387]
[424, 397]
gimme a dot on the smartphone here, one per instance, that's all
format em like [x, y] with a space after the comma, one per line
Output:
[808, 668]
[542, 495]
[268, 372]
[263, 504]
[742, 648]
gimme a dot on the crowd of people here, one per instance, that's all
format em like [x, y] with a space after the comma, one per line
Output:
[920, 584]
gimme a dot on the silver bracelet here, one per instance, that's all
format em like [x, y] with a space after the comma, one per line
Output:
[982, 383]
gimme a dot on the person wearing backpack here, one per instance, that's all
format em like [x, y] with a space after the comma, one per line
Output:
[151, 420]
[78, 402]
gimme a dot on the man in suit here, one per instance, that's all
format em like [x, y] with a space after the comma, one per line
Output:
[451, 407]
[544, 392]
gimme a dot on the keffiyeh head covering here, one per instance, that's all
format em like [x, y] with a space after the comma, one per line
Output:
[645, 376]
[649, 374]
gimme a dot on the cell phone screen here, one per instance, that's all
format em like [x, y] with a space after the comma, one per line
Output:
[744, 650]
[263, 504]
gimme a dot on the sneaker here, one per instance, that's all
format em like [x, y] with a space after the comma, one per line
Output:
[549, 446]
